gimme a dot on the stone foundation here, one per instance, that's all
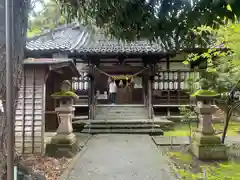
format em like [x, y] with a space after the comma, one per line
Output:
[62, 145]
[208, 147]
[209, 151]
[205, 139]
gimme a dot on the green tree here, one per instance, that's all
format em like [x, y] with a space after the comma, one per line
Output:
[168, 21]
[222, 59]
[222, 73]
[48, 17]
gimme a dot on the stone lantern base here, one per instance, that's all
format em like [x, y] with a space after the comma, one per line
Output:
[62, 145]
[208, 147]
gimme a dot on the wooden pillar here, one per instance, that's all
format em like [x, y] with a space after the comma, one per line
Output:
[93, 84]
[150, 112]
[145, 84]
[168, 99]
[90, 87]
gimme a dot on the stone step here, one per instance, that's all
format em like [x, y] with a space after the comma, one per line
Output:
[121, 105]
[98, 116]
[80, 118]
[116, 126]
[120, 117]
[126, 121]
[124, 131]
[120, 111]
[129, 112]
[140, 124]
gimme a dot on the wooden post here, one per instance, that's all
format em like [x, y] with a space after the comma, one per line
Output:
[93, 91]
[144, 89]
[23, 109]
[90, 93]
[150, 92]
[168, 98]
[33, 108]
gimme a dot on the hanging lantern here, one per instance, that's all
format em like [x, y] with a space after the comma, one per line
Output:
[131, 81]
[121, 83]
[109, 80]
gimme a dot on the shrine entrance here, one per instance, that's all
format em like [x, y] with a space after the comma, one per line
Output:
[124, 91]
[130, 87]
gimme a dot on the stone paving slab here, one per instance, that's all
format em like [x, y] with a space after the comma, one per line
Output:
[184, 140]
[121, 157]
[170, 140]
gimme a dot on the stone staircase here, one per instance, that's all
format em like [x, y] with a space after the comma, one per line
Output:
[121, 112]
[132, 119]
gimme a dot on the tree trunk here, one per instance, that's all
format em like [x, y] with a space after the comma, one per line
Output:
[20, 20]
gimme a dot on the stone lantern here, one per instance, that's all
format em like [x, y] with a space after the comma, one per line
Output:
[64, 143]
[205, 144]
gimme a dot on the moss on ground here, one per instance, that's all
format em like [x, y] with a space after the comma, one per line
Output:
[183, 129]
[190, 168]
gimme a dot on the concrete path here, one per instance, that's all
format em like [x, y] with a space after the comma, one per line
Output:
[121, 157]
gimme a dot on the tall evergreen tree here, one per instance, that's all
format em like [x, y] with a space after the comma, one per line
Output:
[48, 16]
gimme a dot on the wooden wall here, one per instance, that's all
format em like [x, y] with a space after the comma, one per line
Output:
[29, 123]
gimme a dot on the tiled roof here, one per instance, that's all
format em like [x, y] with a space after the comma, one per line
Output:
[61, 39]
[77, 38]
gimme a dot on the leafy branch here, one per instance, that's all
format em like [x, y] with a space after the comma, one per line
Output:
[169, 22]
[222, 67]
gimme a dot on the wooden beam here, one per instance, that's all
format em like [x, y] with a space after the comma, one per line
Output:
[128, 61]
[122, 69]
[58, 65]
[168, 62]
[60, 71]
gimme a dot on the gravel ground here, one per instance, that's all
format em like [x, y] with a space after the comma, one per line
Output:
[121, 157]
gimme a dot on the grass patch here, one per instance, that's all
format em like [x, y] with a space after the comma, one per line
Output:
[183, 129]
[190, 168]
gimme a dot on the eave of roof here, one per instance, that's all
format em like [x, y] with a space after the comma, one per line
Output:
[50, 61]
[78, 40]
